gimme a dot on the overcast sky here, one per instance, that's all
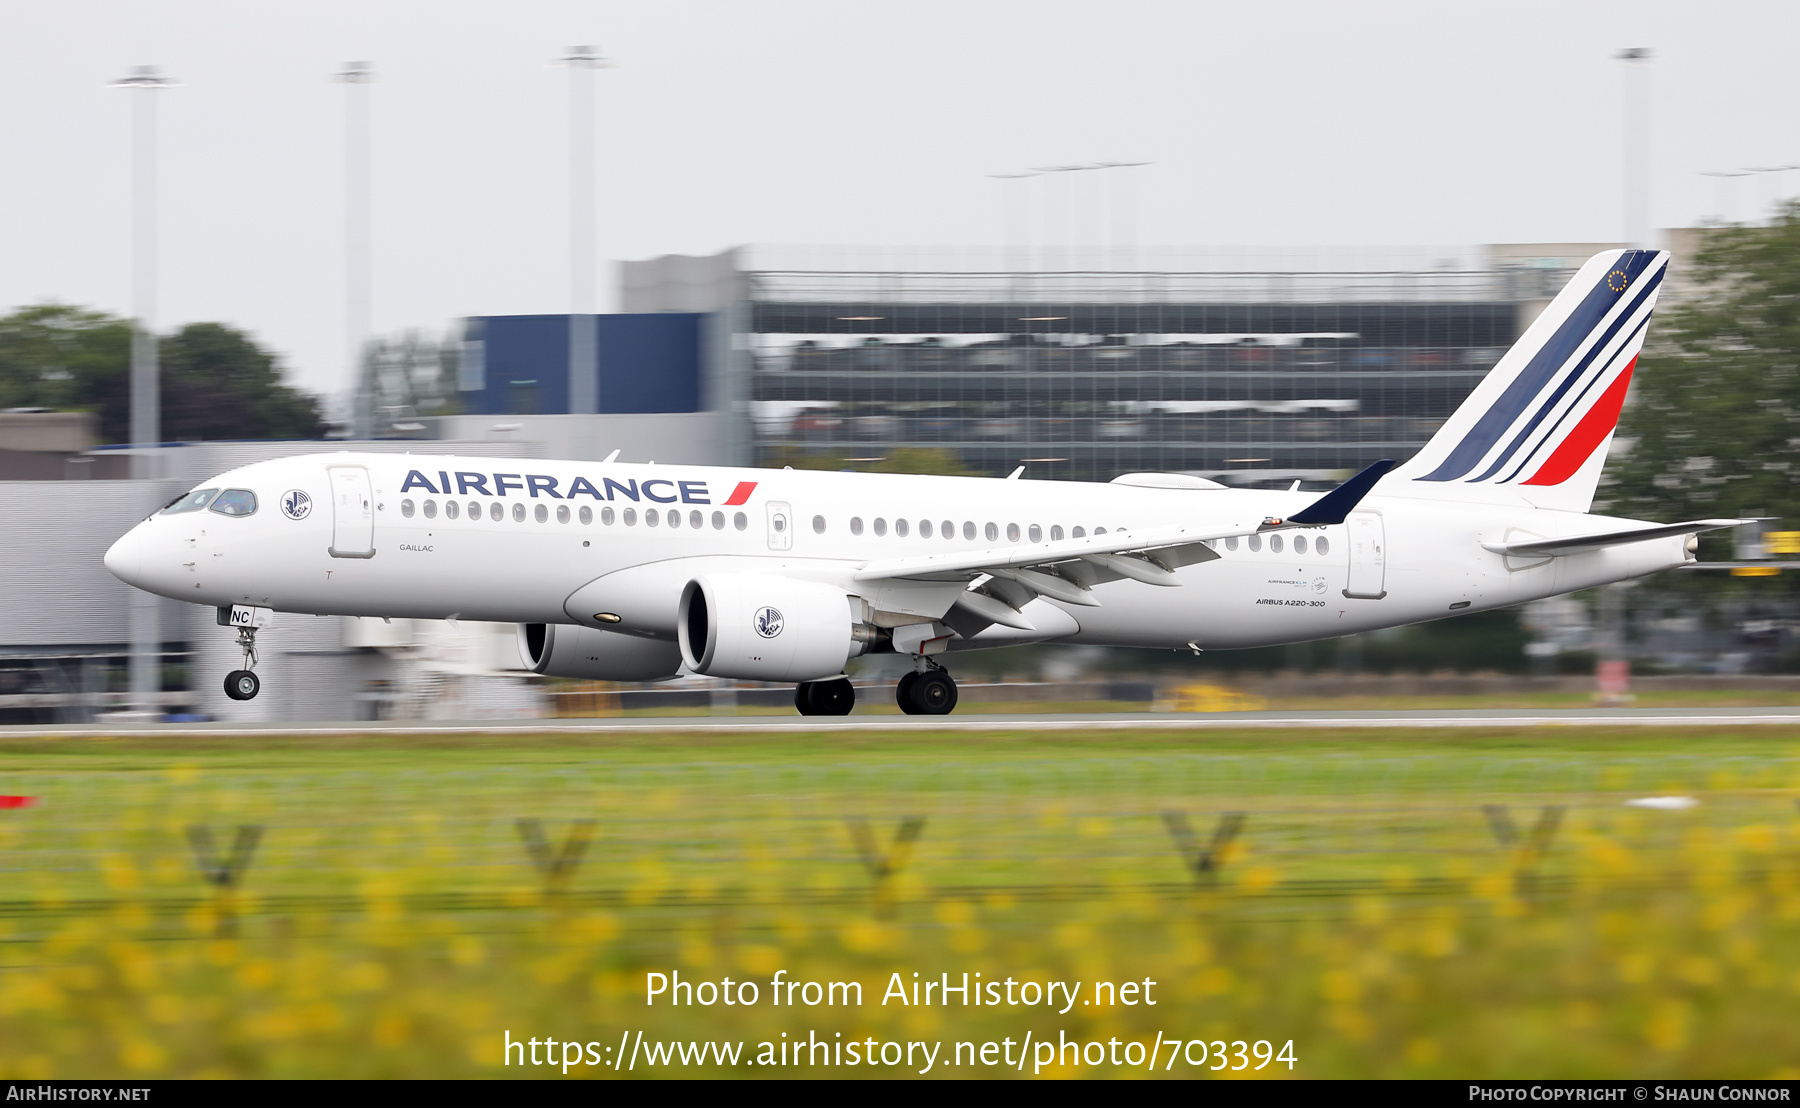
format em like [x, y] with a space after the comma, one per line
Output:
[854, 123]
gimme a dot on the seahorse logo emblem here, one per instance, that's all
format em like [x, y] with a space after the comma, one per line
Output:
[296, 504]
[768, 622]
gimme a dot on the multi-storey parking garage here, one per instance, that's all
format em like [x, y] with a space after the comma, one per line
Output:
[1245, 376]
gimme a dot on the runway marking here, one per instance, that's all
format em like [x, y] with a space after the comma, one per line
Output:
[813, 725]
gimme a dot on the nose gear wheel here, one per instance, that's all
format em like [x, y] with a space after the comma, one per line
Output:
[242, 684]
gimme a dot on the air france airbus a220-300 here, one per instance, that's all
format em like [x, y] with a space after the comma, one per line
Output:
[639, 572]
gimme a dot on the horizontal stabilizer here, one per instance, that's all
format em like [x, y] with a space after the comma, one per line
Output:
[1581, 544]
[1335, 505]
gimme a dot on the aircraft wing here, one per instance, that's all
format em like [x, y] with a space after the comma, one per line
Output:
[1099, 548]
[1006, 578]
[1581, 544]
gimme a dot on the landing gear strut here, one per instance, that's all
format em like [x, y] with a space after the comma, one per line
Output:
[926, 691]
[242, 684]
[825, 698]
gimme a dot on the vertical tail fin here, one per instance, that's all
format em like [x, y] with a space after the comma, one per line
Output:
[1537, 427]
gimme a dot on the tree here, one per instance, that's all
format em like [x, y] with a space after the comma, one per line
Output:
[60, 357]
[217, 383]
[1715, 411]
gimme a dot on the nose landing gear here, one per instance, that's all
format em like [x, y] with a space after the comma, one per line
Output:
[242, 684]
[926, 691]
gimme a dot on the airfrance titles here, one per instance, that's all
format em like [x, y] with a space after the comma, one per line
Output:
[659, 490]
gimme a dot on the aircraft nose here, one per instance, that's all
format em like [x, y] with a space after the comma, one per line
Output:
[125, 557]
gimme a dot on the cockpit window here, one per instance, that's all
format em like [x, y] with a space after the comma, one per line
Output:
[191, 502]
[235, 502]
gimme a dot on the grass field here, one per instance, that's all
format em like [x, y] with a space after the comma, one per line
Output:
[1479, 903]
[879, 701]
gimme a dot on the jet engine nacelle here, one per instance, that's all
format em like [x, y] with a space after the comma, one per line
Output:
[764, 628]
[569, 650]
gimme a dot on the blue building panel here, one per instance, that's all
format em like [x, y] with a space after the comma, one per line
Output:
[647, 363]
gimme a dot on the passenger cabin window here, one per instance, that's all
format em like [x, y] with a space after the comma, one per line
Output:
[1299, 544]
[587, 515]
[562, 513]
[1323, 546]
[631, 517]
[1254, 542]
[718, 520]
[192, 502]
[541, 513]
[496, 512]
[818, 524]
[924, 528]
[1056, 533]
[1231, 543]
[992, 532]
[900, 527]
[451, 509]
[1036, 533]
[969, 529]
[518, 513]
[1078, 533]
[406, 508]
[880, 526]
[235, 502]
[1012, 532]
[740, 521]
[1274, 544]
[430, 509]
[856, 525]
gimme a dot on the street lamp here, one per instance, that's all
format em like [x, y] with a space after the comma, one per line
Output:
[584, 359]
[1719, 178]
[145, 81]
[357, 295]
[1637, 144]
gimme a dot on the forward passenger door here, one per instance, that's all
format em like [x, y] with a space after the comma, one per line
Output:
[352, 513]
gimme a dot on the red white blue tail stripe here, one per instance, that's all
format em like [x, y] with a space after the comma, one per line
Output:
[1548, 407]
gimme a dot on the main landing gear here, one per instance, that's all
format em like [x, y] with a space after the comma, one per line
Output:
[825, 698]
[242, 684]
[926, 691]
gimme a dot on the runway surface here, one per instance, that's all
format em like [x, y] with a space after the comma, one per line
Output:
[1120, 721]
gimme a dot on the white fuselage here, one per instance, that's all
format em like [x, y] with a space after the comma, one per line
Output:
[576, 538]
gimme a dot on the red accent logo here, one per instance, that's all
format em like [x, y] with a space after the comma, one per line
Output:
[1587, 435]
[742, 493]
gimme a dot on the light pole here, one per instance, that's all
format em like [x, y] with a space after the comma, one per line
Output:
[584, 354]
[1770, 202]
[1014, 247]
[1719, 178]
[146, 403]
[357, 76]
[1637, 144]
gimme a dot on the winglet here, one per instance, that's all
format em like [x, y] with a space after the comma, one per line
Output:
[1336, 504]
